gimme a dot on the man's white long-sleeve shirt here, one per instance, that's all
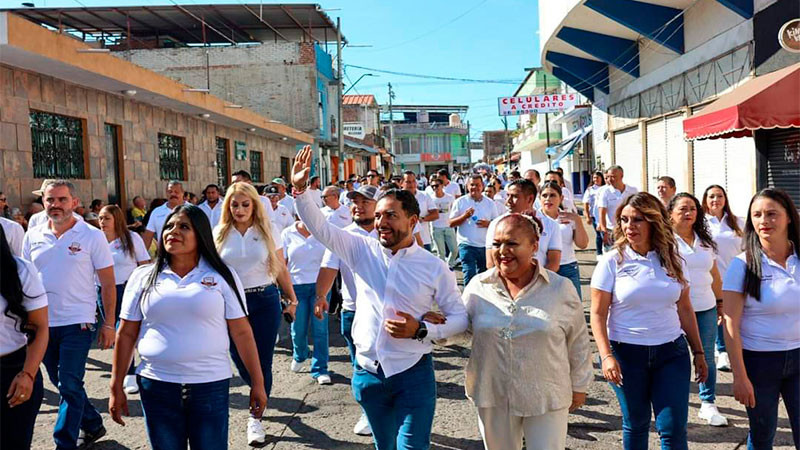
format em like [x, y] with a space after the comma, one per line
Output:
[410, 281]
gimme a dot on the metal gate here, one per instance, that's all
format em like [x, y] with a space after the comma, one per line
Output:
[783, 161]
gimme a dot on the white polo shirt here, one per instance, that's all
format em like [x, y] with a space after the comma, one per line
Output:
[183, 336]
[728, 243]
[303, 255]
[549, 238]
[773, 323]
[125, 264]
[453, 189]
[699, 261]
[331, 261]
[644, 299]
[157, 219]
[67, 267]
[426, 204]
[41, 217]
[214, 213]
[14, 234]
[566, 232]
[11, 339]
[288, 202]
[340, 217]
[468, 232]
[590, 199]
[443, 204]
[281, 219]
[248, 255]
[610, 198]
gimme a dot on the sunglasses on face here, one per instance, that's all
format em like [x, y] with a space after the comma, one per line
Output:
[435, 186]
[371, 176]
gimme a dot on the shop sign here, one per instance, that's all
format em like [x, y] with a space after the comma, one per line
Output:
[789, 36]
[535, 104]
[412, 158]
[434, 157]
[462, 159]
[353, 129]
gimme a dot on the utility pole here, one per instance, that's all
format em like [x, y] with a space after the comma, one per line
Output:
[391, 121]
[506, 143]
[340, 88]
[469, 146]
[547, 125]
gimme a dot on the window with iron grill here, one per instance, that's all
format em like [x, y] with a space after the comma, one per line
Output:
[223, 176]
[170, 152]
[255, 166]
[57, 144]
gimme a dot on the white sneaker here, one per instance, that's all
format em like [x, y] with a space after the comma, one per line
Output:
[324, 379]
[598, 257]
[129, 384]
[362, 427]
[255, 432]
[710, 413]
[297, 366]
[723, 362]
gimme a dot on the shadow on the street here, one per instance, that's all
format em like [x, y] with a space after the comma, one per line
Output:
[450, 391]
[440, 442]
[309, 437]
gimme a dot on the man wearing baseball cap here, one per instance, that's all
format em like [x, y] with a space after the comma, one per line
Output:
[286, 200]
[41, 217]
[282, 216]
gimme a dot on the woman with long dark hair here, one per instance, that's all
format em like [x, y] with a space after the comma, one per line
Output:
[128, 251]
[180, 312]
[590, 208]
[24, 332]
[726, 229]
[698, 250]
[640, 313]
[570, 228]
[761, 305]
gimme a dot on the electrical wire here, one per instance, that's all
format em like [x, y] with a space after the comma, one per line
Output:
[435, 77]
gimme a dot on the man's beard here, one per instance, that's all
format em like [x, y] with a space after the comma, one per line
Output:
[364, 221]
[394, 239]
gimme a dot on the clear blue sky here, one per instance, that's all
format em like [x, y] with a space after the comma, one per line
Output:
[476, 39]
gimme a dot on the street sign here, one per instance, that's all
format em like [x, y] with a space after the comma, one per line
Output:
[789, 36]
[535, 104]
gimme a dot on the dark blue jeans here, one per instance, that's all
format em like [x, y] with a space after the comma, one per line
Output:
[720, 339]
[264, 314]
[65, 361]
[656, 376]
[305, 319]
[773, 375]
[473, 261]
[102, 314]
[399, 408]
[707, 325]
[347, 328]
[572, 272]
[175, 414]
[598, 238]
[16, 424]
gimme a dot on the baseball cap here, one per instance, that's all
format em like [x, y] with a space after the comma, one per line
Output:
[278, 180]
[271, 190]
[368, 191]
[40, 192]
[92, 216]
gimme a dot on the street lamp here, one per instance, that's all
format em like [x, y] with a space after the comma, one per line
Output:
[359, 79]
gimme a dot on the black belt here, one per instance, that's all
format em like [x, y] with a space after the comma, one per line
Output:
[257, 289]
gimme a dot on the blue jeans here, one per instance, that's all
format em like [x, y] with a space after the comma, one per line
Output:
[707, 324]
[102, 311]
[347, 328]
[773, 375]
[306, 296]
[427, 247]
[573, 273]
[176, 413]
[720, 339]
[445, 240]
[264, 314]
[473, 261]
[65, 361]
[656, 376]
[399, 408]
[598, 238]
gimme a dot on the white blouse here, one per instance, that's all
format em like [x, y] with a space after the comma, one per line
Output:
[125, 264]
[248, 255]
[699, 261]
[303, 255]
[728, 243]
[11, 339]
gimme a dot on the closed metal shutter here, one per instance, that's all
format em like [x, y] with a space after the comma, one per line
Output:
[708, 165]
[628, 153]
[783, 161]
[656, 152]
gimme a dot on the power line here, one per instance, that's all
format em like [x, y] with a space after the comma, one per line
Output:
[435, 77]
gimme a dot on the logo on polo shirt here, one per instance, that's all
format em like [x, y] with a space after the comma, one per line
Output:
[74, 248]
[208, 282]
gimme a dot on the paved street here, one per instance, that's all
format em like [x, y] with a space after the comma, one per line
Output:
[304, 415]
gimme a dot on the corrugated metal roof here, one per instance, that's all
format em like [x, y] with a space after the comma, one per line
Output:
[368, 100]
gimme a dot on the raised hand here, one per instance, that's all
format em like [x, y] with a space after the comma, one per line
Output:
[302, 168]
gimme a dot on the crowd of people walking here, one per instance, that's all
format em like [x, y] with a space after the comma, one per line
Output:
[682, 288]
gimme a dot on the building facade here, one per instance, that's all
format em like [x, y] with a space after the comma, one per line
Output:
[364, 143]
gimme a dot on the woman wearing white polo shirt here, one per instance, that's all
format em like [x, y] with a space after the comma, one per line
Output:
[726, 229]
[246, 241]
[181, 310]
[23, 315]
[640, 313]
[304, 258]
[128, 251]
[571, 232]
[698, 250]
[761, 295]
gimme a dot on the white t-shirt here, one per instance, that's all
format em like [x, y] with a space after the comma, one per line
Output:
[288, 202]
[728, 243]
[125, 264]
[214, 213]
[340, 217]
[426, 204]
[158, 218]
[453, 189]
[468, 232]
[443, 204]
[549, 239]
[303, 255]
[67, 267]
[248, 255]
[332, 261]
[643, 308]
[773, 323]
[14, 234]
[699, 261]
[567, 233]
[183, 337]
[590, 199]
[610, 198]
[343, 200]
[281, 219]
[11, 339]
[41, 217]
